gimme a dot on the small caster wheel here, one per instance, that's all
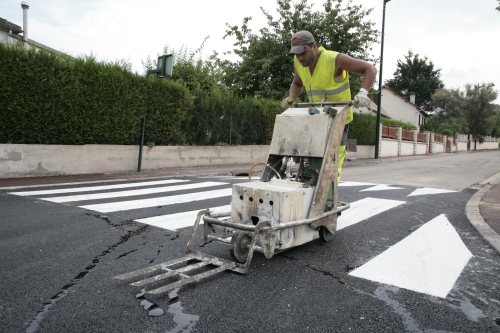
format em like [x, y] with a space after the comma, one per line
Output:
[324, 234]
[238, 247]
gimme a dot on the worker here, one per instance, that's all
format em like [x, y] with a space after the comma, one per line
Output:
[324, 75]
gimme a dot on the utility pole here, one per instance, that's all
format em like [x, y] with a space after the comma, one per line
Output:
[379, 106]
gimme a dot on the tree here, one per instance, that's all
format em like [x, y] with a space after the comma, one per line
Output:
[265, 68]
[418, 75]
[190, 69]
[498, 8]
[472, 107]
[496, 126]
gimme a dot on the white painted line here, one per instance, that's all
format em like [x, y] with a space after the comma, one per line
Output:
[179, 220]
[428, 190]
[381, 187]
[363, 209]
[428, 261]
[231, 177]
[162, 201]
[355, 184]
[97, 188]
[107, 195]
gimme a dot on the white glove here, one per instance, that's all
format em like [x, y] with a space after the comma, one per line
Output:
[287, 102]
[362, 99]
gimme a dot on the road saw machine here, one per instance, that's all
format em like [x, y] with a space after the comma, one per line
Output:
[288, 206]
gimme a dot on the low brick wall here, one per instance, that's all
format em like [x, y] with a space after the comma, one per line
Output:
[44, 160]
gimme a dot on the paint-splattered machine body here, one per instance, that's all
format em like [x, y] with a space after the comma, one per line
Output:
[294, 202]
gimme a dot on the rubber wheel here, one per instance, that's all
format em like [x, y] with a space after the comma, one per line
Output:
[324, 234]
[238, 247]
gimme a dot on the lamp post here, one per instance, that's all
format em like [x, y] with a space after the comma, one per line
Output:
[379, 102]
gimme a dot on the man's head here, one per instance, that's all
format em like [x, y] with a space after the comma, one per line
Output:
[304, 47]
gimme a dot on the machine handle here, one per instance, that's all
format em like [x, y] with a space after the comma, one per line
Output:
[350, 103]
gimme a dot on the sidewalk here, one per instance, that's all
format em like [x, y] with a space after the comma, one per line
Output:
[483, 209]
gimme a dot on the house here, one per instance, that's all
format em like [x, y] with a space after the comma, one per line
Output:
[399, 108]
[372, 109]
[11, 32]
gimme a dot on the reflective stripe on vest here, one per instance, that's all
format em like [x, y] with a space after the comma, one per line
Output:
[329, 92]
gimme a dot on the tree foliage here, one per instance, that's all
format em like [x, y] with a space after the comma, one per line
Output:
[190, 68]
[418, 75]
[265, 67]
[470, 110]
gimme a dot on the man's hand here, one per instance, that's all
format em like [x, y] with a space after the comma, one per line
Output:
[362, 99]
[287, 102]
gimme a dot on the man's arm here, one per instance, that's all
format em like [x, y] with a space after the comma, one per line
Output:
[295, 90]
[345, 62]
[350, 64]
[296, 87]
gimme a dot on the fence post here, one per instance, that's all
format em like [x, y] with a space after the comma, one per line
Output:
[431, 144]
[399, 137]
[415, 141]
[427, 141]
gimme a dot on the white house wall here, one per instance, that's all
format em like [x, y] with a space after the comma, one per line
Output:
[398, 108]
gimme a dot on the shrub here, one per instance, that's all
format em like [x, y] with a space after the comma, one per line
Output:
[447, 132]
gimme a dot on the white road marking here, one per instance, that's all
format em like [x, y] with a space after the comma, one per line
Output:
[98, 188]
[130, 193]
[363, 209]
[179, 220]
[354, 184]
[428, 261]
[428, 190]
[381, 187]
[162, 201]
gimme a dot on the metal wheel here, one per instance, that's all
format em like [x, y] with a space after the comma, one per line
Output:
[324, 234]
[238, 246]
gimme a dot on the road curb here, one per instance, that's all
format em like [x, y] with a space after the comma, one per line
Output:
[474, 216]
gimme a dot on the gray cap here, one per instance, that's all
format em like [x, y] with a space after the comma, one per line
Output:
[300, 40]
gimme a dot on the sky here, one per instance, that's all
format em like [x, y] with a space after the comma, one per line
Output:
[460, 37]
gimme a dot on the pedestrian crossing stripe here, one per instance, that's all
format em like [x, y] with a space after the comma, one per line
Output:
[381, 187]
[180, 220]
[428, 261]
[161, 201]
[97, 188]
[129, 193]
[428, 190]
[351, 184]
[363, 209]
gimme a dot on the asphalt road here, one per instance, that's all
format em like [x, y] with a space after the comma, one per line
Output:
[59, 259]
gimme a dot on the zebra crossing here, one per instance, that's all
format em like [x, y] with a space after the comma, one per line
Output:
[419, 252]
[109, 198]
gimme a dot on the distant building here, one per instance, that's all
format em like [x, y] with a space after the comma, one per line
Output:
[397, 107]
[11, 32]
[372, 109]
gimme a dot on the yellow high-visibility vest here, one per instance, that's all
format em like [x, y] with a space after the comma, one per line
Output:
[322, 81]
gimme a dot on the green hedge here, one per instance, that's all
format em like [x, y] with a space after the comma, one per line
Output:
[220, 118]
[53, 99]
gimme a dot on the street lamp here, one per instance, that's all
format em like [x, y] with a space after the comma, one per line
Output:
[379, 102]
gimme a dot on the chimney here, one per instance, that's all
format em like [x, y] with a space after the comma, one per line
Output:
[25, 7]
[412, 98]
